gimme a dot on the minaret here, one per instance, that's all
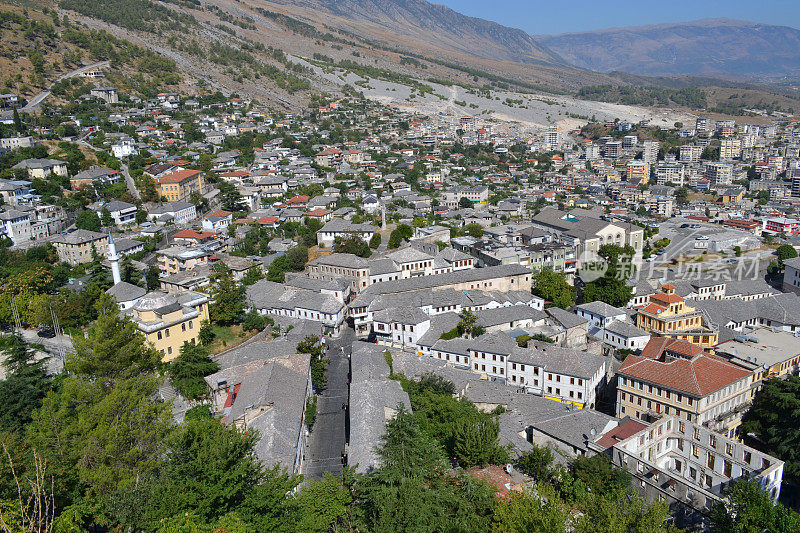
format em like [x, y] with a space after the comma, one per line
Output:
[114, 259]
[383, 217]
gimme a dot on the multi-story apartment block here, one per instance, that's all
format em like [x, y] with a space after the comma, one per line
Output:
[673, 377]
[638, 172]
[180, 258]
[689, 467]
[587, 232]
[669, 173]
[667, 315]
[41, 168]
[730, 149]
[77, 247]
[559, 374]
[169, 320]
[180, 185]
[650, 152]
[690, 153]
[719, 173]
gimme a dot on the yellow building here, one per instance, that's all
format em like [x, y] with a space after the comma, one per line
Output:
[80, 246]
[674, 377]
[667, 315]
[169, 320]
[180, 185]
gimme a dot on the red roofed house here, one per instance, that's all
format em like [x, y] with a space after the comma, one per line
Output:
[270, 222]
[298, 201]
[319, 214]
[219, 220]
[675, 377]
[190, 236]
[180, 185]
[667, 315]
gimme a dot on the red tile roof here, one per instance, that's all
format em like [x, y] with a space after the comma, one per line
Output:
[194, 234]
[620, 433]
[179, 176]
[699, 376]
[268, 220]
[220, 213]
[666, 298]
[301, 199]
[318, 212]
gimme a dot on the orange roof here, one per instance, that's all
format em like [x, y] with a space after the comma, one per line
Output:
[699, 376]
[653, 308]
[219, 213]
[179, 176]
[268, 220]
[667, 298]
[620, 433]
[300, 199]
[194, 234]
[318, 212]
[235, 174]
[668, 287]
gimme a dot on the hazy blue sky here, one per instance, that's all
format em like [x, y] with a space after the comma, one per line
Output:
[549, 16]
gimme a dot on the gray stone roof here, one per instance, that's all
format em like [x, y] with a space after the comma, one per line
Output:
[566, 318]
[126, 292]
[625, 329]
[511, 313]
[601, 309]
[449, 278]
[374, 399]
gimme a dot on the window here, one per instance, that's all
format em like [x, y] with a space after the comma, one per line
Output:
[191, 324]
[159, 335]
[710, 461]
[166, 332]
[169, 350]
[747, 457]
[183, 326]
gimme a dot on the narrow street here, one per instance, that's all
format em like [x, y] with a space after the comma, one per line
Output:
[328, 435]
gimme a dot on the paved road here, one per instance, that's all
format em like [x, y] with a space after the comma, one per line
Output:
[34, 102]
[328, 436]
[129, 181]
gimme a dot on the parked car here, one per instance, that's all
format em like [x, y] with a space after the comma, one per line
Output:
[46, 333]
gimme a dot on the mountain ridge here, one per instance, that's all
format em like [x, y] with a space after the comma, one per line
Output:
[710, 47]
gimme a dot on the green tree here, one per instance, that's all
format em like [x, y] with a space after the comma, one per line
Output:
[253, 321]
[187, 371]
[323, 505]
[353, 245]
[25, 386]
[106, 438]
[297, 258]
[773, 419]
[553, 287]
[749, 508]
[105, 217]
[112, 349]
[375, 241]
[319, 366]
[88, 220]
[399, 234]
[206, 333]
[784, 252]
[468, 325]
[530, 511]
[211, 472]
[464, 203]
[230, 197]
[475, 442]
[599, 474]
[537, 463]
[152, 278]
[473, 230]
[253, 274]
[412, 492]
[229, 297]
